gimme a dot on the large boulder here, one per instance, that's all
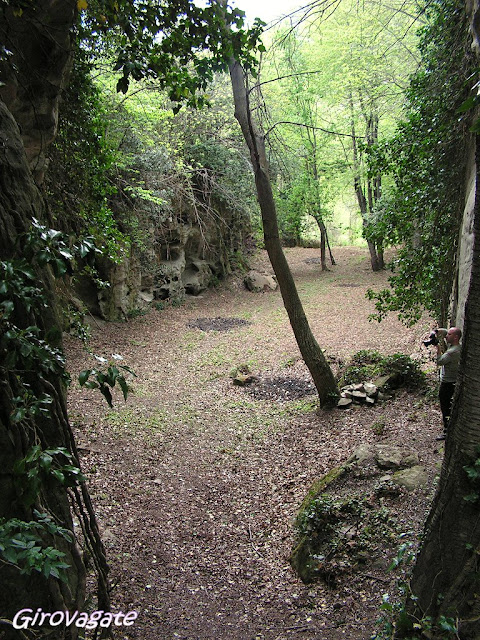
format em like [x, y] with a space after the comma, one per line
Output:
[257, 282]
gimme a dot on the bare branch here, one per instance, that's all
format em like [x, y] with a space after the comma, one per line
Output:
[289, 75]
[308, 126]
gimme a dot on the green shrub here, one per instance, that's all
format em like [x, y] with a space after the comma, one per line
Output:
[368, 365]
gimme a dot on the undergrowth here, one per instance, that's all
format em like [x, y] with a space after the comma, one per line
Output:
[366, 365]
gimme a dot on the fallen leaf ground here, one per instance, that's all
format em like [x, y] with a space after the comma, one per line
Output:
[196, 482]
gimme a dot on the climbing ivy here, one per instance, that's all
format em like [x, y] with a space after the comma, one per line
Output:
[26, 354]
[426, 158]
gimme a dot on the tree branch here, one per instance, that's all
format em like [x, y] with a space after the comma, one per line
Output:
[308, 126]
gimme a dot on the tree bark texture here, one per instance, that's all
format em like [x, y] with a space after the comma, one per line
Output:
[373, 190]
[41, 41]
[446, 574]
[312, 354]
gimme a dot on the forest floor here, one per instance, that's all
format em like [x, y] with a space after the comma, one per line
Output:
[196, 482]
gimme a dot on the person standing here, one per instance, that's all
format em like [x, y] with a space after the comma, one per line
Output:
[449, 362]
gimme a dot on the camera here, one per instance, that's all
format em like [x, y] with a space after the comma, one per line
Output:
[435, 336]
[432, 339]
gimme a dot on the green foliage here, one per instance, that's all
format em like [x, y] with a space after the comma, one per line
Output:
[167, 42]
[81, 179]
[22, 545]
[426, 159]
[32, 361]
[106, 379]
[28, 405]
[473, 474]
[366, 365]
[41, 466]
[396, 621]
[336, 533]
[323, 513]
[23, 348]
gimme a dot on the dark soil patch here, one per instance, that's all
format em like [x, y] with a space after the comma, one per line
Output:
[218, 324]
[281, 388]
[349, 285]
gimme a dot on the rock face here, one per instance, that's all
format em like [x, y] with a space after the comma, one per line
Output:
[180, 256]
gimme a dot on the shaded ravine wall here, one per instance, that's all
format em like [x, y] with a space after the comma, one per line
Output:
[466, 234]
[179, 257]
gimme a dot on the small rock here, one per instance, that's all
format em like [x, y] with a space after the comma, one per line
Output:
[145, 296]
[410, 459]
[359, 396]
[388, 456]
[411, 478]
[385, 478]
[361, 453]
[242, 379]
[370, 389]
[343, 403]
[382, 381]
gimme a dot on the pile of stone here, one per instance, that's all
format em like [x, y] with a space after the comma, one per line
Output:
[367, 393]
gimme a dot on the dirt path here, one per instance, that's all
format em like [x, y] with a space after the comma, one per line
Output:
[196, 482]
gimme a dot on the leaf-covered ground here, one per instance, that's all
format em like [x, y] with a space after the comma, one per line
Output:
[196, 482]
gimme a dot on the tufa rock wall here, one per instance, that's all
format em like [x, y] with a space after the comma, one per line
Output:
[183, 255]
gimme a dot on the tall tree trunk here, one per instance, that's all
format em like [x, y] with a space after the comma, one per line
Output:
[312, 354]
[324, 243]
[41, 42]
[445, 576]
[363, 203]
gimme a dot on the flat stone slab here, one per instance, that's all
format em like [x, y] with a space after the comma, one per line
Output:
[412, 478]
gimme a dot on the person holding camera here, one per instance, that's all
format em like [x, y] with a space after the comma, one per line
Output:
[449, 361]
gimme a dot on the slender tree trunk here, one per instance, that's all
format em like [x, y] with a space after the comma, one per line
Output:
[323, 248]
[324, 243]
[321, 372]
[363, 203]
[381, 256]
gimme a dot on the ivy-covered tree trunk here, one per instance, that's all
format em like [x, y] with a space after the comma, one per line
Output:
[312, 354]
[444, 584]
[33, 413]
[445, 578]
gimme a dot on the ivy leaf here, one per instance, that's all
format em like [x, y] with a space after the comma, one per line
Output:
[83, 376]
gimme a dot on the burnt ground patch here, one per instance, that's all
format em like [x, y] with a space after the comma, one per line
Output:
[218, 323]
[281, 388]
